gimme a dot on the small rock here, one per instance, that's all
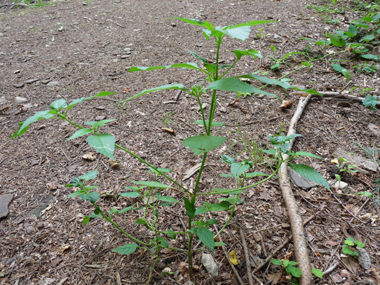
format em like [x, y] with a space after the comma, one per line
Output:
[364, 259]
[53, 83]
[34, 162]
[99, 108]
[28, 106]
[19, 100]
[223, 110]
[30, 81]
[99, 118]
[301, 181]
[18, 85]
[4, 202]
[341, 185]
[45, 81]
[210, 264]
[173, 24]
[124, 56]
[37, 211]
[375, 129]
[29, 228]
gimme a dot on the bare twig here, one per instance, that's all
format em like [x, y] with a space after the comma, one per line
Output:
[177, 95]
[331, 269]
[246, 257]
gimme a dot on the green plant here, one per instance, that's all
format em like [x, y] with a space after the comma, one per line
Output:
[278, 61]
[166, 118]
[294, 271]
[332, 21]
[371, 102]
[261, 35]
[151, 192]
[344, 165]
[347, 247]
[366, 68]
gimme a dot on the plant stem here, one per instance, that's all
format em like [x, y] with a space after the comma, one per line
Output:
[190, 254]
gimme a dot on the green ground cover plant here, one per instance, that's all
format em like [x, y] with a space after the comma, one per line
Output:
[154, 194]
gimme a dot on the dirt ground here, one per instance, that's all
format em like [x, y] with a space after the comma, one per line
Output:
[76, 49]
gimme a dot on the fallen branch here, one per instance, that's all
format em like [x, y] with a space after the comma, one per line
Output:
[284, 243]
[248, 264]
[299, 240]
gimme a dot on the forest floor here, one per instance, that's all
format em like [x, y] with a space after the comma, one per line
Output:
[76, 49]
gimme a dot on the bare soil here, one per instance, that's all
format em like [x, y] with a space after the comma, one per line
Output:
[78, 48]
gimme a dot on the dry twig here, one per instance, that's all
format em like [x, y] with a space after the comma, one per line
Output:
[246, 256]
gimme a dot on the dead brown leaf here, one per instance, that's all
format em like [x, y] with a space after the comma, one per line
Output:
[285, 104]
[274, 277]
[51, 186]
[89, 156]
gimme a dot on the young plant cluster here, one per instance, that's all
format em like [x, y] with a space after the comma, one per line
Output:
[154, 193]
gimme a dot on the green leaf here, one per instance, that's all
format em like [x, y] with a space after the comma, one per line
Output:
[239, 53]
[222, 206]
[167, 199]
[195, 22]
[153, 184]
[214, 124]
[337, 67]
[359, 243]
[276, 262]
[212, 222]
[129, 194]
[317, 272]
[310, 173]
[295, 271]
[77, 193]
[305, 153]
[89, 175]
[202, 143]
[163, 87]
[346, 74]
[255, 174]
[99, 123]
[365, 193]
[126, 249]
[127, 209]
[171, 234]
[337, 40]
[370, 101]
[92, 197]
[369, 56]
[207, 238]
[235, 85]
[140, 221]
[79, 133]
[190, 209]
[267, 80]
[200, 210]
[367, 38]
[237, 169]
[219, 243]
[103, 143]
[86, 220]
[228, 159]
[204, 60]
[346, 249]
[352, 30]
[58, 104]
[227, 191]
[23, 127]
[80, 100]
[190, 65]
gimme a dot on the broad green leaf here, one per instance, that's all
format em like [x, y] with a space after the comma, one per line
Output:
[222, 206]
[190, 65]
[202, 143]
[207, 238]
[190, 209]
[337, 67]
[80, 100]
[228, 159]
[129, 194]
[337, 40]
[305, 153]
[226, 175]
[103, 143]
[346, 74]
[214, 124]
[101, 123]
[219, 243]
[367, 38]
[359, 243]
[86, 220]
[365, 193]
[253, 23]
[371, 101]
[126, 249]
[282, 139]
[255, 174]
[376, 17]
[352, 30]
[92, 197]
[212, 222]
[310, 173]
[204, 60]
[152, 184]
[195, 22]
[77, 193]
[227, 191]
[295, 271]
[89, 175]
[317, 272]
[276, 261]
[171, 234]
[200, 210]
[267, 80]
[237, 169]
[235, 85]
[140, 221]
[58, 104]
[163, 87]
[367, 19]
[23, 127]
[79, 133]
[285, 262]
[239, 53]
[369, 56]
[126, 209]
[167, 199]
